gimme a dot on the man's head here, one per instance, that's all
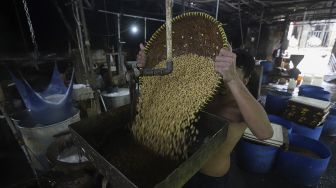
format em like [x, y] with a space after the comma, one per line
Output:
[244, 64]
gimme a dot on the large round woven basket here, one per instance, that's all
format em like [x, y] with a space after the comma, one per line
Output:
[192, 32]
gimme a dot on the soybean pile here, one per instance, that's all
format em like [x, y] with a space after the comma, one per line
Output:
[168, 105]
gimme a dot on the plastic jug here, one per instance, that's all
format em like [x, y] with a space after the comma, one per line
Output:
[291, 84]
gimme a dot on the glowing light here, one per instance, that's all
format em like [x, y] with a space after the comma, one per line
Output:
[134, 29]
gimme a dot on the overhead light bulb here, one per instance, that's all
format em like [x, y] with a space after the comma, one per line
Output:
[134, 29]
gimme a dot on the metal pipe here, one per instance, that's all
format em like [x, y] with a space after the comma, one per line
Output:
[169, 65]
[119, 48]
[145, 30]
[295, 2]
[80, 38]
[86, 37]
[217, 9]
[120, 59]
[102, 100]
[82, 15]
[109, 61]
[128, 15]
[169, 4]
[161, 72]
[118, 27]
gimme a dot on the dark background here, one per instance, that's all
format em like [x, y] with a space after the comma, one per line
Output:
[53, 37]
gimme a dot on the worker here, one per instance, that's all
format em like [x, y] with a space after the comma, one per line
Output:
[294, 72]
[234, 103]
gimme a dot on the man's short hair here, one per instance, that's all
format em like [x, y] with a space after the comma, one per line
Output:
[245, 61]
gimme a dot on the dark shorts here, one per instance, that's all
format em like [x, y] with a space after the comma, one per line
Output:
[200, 180]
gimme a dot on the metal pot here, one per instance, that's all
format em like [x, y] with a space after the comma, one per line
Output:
[66, 157]
[116, 99]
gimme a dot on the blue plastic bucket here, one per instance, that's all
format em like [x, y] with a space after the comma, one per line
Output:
[265, 79]
[310, 87]
[255, 157]
[332, 111]
[329, 126]
[276, 102]
[281, 121]
[316, 94]
[267, 66]
[313, 133]
[303, 169]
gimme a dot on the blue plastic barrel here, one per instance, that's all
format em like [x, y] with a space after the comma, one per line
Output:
[316, 94]
[329, 127]
[276, 102]
[255, 157]
[267, 66]
[281, 121]
[332, 110]
[313, 133]
[265, 79]
[310, 87]
[303, 169]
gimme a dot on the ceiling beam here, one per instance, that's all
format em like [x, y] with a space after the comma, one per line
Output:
[313, 16]
[294, 5]
[191, 7]
[260, 2]
[246, 3]
[280, 12]
[246, 12]
[295, 2]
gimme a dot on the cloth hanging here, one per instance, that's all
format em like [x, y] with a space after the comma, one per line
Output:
[50, 106]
